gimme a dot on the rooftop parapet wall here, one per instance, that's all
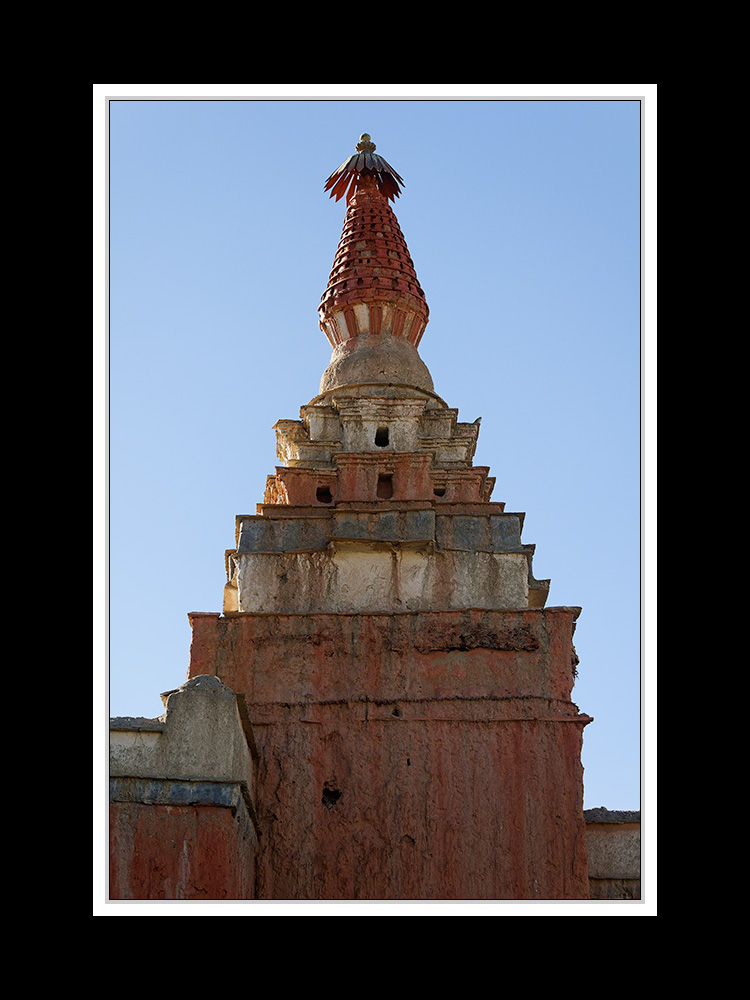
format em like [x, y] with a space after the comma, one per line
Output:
[613, 844]
[201, 735]
[183, 823]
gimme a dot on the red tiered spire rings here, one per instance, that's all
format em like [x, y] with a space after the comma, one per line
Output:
[373, 286]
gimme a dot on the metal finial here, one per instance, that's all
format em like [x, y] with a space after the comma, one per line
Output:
[364, 163]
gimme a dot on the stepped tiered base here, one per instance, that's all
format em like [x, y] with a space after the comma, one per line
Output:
[409, 693]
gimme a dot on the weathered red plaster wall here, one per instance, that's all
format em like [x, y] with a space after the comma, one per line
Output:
[177, 852]
[410, 756]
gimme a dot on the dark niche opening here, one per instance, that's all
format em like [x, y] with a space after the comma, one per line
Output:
[439, 491]
[385, 487]
[381, 437]
[323, 494]
[330, 796]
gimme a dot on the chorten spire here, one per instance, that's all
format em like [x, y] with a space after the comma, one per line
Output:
[373, 310]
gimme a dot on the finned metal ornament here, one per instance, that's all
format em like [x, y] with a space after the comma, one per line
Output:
[364, 163]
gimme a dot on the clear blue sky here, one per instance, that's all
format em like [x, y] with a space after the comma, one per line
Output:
[523, 218]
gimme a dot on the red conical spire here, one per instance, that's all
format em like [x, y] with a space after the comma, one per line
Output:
[373, 287]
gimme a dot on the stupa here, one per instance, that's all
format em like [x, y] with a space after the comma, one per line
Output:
[408, 689]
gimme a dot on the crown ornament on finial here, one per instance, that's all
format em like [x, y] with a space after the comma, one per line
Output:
[365, 144]
[365, 163]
